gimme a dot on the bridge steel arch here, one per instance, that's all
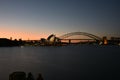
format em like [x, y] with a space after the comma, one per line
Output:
[81, 33]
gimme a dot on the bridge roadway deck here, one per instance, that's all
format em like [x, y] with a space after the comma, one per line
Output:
[76, 39]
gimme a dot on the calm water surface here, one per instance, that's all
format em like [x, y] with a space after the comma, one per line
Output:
[62, 63]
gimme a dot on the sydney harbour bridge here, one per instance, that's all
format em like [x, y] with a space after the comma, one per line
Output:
[64, 39]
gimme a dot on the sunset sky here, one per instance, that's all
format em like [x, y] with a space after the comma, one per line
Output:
[34, 19]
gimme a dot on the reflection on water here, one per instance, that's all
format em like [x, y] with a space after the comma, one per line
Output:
[62, 63]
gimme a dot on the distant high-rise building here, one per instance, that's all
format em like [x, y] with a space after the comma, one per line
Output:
[10, 38]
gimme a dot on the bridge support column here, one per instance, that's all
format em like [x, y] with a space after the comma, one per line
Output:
[69, 41]
[105, 41]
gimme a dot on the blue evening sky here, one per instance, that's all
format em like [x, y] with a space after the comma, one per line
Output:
[43, 17]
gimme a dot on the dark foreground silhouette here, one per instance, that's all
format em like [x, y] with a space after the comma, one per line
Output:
[22, 76]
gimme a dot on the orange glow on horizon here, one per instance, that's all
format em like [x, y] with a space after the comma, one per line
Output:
[21, 35]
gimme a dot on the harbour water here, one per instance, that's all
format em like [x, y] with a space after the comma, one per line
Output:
[81, 62]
